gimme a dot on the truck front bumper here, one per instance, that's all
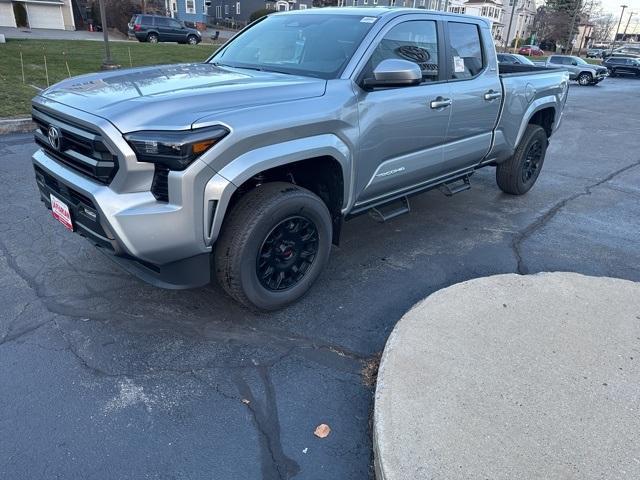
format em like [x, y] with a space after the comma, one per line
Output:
[156, 241]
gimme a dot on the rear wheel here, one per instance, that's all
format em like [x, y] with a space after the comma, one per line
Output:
[517, 175]
[585, 79]
[273, 246]
[612, 72]
[152, 38]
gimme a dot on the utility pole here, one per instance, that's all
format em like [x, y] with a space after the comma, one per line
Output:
[107, 63]
[618, 29]
[513, 10]
[631, 14]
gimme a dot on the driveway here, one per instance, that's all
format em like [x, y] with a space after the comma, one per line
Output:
[105, 377]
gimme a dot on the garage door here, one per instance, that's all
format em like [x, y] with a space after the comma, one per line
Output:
[6, 15]
[45, 16]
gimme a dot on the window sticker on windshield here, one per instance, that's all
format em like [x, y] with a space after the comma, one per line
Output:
[458, 64]
[368, 19]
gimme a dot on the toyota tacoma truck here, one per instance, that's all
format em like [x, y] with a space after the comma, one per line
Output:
[244, 167]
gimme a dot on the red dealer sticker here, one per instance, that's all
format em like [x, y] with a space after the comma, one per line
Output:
[61, 212]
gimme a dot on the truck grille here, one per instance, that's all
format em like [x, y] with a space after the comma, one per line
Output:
[75, 146]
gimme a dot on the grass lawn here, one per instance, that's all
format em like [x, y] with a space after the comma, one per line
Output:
[81, 57]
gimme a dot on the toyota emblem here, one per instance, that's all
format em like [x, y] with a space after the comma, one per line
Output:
[54, 137]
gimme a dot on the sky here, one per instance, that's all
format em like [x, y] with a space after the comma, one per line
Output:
[613, 6]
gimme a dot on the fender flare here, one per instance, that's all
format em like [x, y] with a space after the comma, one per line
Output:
[537, 105]
[224, 183]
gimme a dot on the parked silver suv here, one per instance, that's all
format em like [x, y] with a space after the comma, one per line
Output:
[583, 72]
[247, 165]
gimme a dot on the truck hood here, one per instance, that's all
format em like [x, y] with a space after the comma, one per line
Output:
[176, 96]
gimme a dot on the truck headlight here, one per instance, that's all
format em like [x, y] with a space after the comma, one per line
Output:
[174, 149]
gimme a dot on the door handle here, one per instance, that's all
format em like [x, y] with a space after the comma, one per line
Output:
[440, 103]
[491, 95]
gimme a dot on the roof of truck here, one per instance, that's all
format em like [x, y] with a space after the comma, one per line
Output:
[375, 11]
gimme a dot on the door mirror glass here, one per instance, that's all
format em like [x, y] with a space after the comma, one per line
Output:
[394, 72]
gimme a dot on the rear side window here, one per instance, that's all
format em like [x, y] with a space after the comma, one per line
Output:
[163, 22]
[556, 60]
[465, 50]
[416, 41]
[145, 20]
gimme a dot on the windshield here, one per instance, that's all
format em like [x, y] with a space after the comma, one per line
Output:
[315, 45]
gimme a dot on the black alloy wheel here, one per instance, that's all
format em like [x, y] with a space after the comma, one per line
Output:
[287, 253]
[532, 161]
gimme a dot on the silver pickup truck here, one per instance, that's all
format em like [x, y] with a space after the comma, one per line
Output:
[245, 166]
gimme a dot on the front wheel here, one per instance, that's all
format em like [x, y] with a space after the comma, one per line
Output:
[273, 246]
[517, 175]
[585, 79]
[192, 40]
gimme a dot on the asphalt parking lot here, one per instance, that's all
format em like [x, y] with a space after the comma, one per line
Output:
[103, 377]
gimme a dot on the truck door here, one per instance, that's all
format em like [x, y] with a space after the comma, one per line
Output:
[402, 129]
[476, 92]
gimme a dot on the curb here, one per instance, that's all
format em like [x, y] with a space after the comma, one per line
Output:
[512, 376]
[16, 125]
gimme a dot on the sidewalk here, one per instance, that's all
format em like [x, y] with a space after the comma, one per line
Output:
[513, 376]
[54, 34]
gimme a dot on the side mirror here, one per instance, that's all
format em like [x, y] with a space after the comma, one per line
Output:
[394, 72]
[574, 63]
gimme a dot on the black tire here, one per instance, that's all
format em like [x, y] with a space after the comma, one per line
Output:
[585, 79]
[152, 38]
[192, 40]
[516, 176]
[612, 72]
[245, 242]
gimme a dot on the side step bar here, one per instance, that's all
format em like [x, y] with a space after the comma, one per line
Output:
[382, 214]
[457, 186]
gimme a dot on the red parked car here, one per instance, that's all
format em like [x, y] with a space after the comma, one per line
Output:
[530, 50]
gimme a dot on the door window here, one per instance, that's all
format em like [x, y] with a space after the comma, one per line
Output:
[416, 41]
[465, 50]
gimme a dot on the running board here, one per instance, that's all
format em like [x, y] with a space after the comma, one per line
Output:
[456, 186]
[382, 214]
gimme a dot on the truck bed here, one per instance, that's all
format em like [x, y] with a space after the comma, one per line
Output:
[526, 89]
[511, 70]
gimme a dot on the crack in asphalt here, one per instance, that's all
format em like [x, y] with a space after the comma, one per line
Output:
[275, 464]
[522, 236]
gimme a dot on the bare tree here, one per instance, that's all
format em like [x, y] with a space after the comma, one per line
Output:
[603, 26]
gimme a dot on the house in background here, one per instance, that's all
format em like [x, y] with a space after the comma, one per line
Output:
[194, 11]
[55, 14]
[522, 22]
[238, 12]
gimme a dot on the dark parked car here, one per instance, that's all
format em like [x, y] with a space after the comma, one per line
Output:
[156, 28]
[531, 50]
[513, 59]
[622, 66]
